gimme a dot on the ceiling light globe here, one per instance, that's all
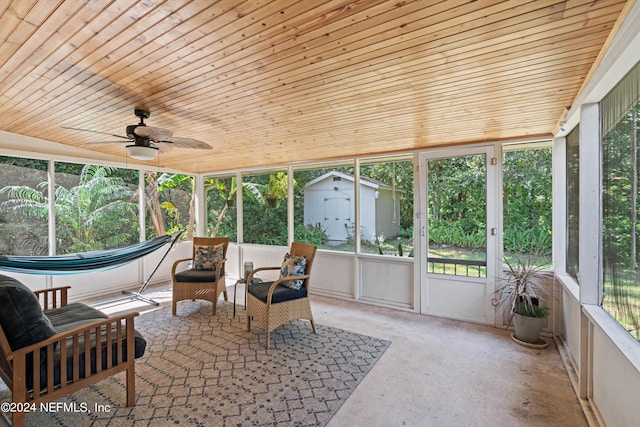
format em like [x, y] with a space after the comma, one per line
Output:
[142, 153]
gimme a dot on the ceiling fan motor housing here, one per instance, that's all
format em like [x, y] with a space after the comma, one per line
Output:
[131, 131]
[143, 114]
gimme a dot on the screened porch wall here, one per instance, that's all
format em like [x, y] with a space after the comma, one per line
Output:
[603, 359]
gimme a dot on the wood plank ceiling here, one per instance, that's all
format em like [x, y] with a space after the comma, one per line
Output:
[277, 82]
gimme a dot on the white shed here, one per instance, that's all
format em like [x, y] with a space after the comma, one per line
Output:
[329, 203]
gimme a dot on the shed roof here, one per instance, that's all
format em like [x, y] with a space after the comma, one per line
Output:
[368, 182]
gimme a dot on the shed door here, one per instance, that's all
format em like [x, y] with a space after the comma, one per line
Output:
[337, 218]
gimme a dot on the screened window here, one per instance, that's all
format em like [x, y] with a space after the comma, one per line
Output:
[222, 194]
[324, 209]
[24, 206]
[95, 207]
[621, 281]
[573, 199]
[265, 209]
[386, 207]
[169, 204]
[527, 201]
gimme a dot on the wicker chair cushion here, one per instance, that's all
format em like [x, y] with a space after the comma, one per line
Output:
[280, 293]
[206, 257]
[293, 266]
[21, 315]
[197, 276]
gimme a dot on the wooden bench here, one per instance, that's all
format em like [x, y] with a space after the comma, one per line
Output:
[49, 349]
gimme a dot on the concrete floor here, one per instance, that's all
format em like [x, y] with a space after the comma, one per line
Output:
[441, 372]
[438, 372]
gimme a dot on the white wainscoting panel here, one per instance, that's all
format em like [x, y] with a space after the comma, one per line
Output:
[387, 280]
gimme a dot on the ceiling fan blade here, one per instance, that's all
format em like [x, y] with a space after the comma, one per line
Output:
[164, 148]
[156, 134]
[95, 131]
[188, 143]
[105, 142]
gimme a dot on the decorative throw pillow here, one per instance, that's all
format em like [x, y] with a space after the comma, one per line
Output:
[293, 266]
[207, 257]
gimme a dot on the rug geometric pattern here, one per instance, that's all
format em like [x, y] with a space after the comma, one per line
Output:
[205, 370]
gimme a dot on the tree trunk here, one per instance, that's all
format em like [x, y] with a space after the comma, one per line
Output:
[155, 211]
[214, 232]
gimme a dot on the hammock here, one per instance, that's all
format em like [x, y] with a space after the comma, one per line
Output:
[81, 262]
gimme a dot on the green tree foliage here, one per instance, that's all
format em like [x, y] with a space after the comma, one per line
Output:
[22, 235]
[264, 223]
[527, 200]
[457, 201]
[170, 200]
[94, 214]
[619, 221]
[457, 205]
[221, 198]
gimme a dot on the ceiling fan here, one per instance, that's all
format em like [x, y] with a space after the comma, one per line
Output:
[147, 140]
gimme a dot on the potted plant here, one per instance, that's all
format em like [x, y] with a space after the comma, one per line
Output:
[276, 189]
[519, 296]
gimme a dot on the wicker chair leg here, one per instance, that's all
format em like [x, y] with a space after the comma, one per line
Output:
[173, 308]
[313, 326]
[266, 340]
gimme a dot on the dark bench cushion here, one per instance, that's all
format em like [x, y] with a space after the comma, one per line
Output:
[21, 315]
[139, 344]
[24, 323]
[60, 317]
[78, 314]
[280, 293]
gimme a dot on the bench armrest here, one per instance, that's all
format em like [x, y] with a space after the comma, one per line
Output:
[76, 348]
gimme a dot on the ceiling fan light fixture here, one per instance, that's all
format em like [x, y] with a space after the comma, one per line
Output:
[140, 152]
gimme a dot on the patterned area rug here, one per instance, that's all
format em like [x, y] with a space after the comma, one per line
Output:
[205, 370]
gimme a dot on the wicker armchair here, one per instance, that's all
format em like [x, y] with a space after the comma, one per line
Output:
[271, 304]
[198, 283]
